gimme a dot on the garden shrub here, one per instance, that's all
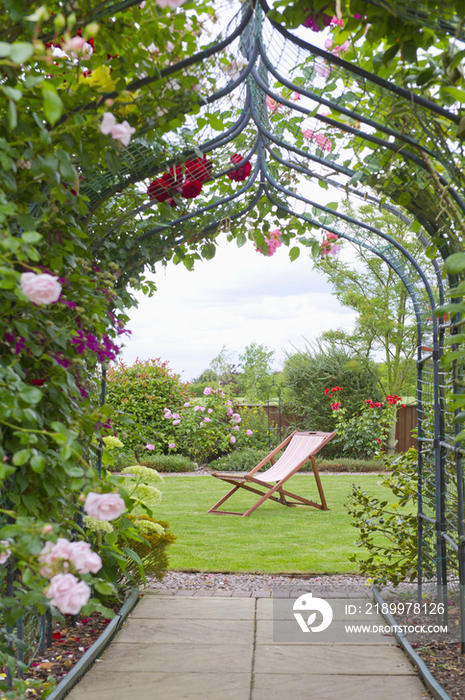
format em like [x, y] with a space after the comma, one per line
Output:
[242, 460]
[394, 558]
[168, 463]
[143, 390]
[307, 374]
[155, 538]
[255, 419]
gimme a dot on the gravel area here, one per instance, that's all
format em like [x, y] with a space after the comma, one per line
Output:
[249, 582]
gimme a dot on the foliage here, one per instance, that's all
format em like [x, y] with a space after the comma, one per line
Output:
[151, 549]
[255, 419]
[307, 373]
[203, 431]
[385, 325]
[167, 463]
[256, 362]
[394, 558]
[143, 390]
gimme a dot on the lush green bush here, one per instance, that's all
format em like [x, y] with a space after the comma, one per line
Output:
[307, 374]
[167, 463]
[255, 419]
[151, 549]
[395, 558]
[346, 464]
[143, 390]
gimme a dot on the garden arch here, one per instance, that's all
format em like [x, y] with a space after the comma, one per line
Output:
[377, 141]
[273, 111]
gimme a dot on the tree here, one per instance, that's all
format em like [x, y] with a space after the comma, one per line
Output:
[385, 325]
[256, 362]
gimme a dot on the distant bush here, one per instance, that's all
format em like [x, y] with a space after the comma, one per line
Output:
[168, 463]
[143, 390]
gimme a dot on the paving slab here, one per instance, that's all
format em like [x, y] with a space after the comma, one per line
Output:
[158, 607]
[176, 658]
[280, 686]
[168, 631]
[332, 660]
[162, 686]
[284, 632]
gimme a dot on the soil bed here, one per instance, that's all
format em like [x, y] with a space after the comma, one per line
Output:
[440, 651]
[69, 644]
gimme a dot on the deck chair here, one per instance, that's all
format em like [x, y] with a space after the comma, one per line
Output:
[300, 447]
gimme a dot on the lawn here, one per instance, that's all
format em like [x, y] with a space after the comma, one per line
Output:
[274, 539]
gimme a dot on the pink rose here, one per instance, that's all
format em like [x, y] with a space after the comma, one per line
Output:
[328, 43]
[235, 427]
[232, 440]
[308, 133]
[67, 593]
[196, 408]
[207, 391]
[171, 446]
[176, 422]
[202, 408]
[149, 446]
[6, 553]
[187, 404]
[77, 45]
[47, 529]
[84, 559]
[104, 506]
[249, 432]
[210, 410]
[206, 419]
[123, 132]
[40, 289]
[176, 415]
[168, 414]
[236, 417]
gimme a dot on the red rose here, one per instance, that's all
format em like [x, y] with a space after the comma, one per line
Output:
[159, 189]
[38, 382]
[174, 175]
[171, 202]
[199, 169]
[241, 173]
[191, 189]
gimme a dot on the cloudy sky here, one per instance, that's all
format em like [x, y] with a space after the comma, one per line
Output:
[235, 299]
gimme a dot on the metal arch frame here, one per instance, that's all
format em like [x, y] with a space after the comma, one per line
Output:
[253, 49]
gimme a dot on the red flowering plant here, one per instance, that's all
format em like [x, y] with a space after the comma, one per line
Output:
[243, 171]
[181, 181]
[362, 434]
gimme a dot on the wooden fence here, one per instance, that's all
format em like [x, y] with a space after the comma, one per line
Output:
[406, 422]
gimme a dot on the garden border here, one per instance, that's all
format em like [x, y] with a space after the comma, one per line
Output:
[86, 661]
[436, 690]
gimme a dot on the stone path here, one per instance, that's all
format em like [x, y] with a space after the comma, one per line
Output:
[245, 645]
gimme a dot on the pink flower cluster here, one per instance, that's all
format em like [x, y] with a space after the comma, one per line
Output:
[273, 241]
[64, 553]
[5, 554]
[328, 246]
[337, 50]
[322, 141]
[120, 132]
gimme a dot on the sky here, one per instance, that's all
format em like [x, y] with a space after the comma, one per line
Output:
[235, 299]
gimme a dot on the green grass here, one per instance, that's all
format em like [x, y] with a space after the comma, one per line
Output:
[274, 539]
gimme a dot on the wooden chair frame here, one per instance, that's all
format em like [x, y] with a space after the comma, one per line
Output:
[276, 492]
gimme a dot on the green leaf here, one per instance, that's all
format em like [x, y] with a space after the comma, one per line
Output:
[455, 263]
[53, 106]
[21, 457]
[390, 53]
[208, 251]
[456, 93]
[461, 129]
[5, 49]
[132, 555]
[37, 463]
[241, 239]
[31, 394]
[12, 93]
[31, 237]
[21, 51]
[66, 452]
[104, 587]
[113, 162]
[409, 51]
[294, 253]
[215, 122]
[12, 115]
